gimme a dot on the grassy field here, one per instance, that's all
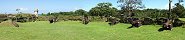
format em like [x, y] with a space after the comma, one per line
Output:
[74, 30]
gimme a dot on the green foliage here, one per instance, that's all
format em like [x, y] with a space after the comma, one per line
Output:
[148, 21]
[43, 18]
[62, 13]
[43, 14]
[69, 18]
[80, 12]
[131, 4]
[3, 17]
[97, 18]
[103, 9]
[152, 13]
[178, 10]
[178, 23]
[24, 17]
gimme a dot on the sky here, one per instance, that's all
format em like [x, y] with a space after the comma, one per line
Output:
[45, 6]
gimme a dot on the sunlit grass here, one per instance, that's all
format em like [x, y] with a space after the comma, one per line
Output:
[74, 30]
[183, 19]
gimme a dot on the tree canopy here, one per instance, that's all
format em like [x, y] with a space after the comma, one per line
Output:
[103, 9]
[80, 12]
[178, 10]
[130, 5]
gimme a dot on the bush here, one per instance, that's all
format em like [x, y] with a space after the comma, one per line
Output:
[161, 20]
[3, 18]
[148, 21]
[43, 18]
[178, 23]
[128, 19]
[22, 19]
[71, 18]
[123, 20]
[97, 18]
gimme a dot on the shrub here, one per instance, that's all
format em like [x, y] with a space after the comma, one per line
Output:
[178, 23]
[3, 17]
[148, 21]
[160, 21]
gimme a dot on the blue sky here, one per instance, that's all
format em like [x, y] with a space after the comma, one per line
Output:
[45, 6]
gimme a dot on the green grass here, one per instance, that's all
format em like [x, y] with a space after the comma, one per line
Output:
[183, 19]
[74, 30]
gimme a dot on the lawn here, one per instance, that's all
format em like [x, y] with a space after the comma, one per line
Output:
[74, 30]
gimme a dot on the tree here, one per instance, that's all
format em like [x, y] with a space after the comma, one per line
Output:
[48, 13]
[80, 12]
[44, 14]
[130, 5]
[95, 11]
[103, 9]
[178, 10]
[18, 10]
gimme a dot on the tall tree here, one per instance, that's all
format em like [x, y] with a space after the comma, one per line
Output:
[178, 10]
[103, 9]
[130, 5]
[80, 12]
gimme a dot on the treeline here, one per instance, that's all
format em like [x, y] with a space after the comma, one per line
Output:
[153, 13]
[106, 9]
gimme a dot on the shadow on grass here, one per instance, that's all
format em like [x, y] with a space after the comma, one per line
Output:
[130, 27]
[183, 27]
[133, 27]
[161, 29]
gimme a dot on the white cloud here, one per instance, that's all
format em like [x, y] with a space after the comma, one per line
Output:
[23, 9]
